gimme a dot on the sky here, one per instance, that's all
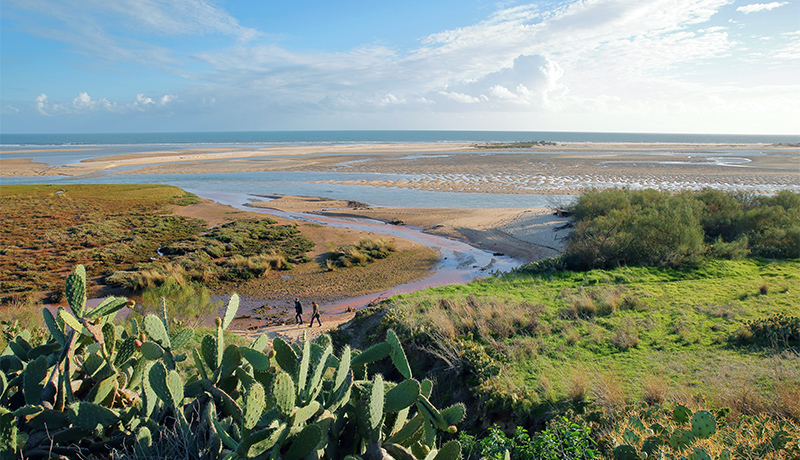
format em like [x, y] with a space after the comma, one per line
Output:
[662, 66]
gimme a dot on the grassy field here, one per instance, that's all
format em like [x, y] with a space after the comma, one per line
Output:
[533, 346]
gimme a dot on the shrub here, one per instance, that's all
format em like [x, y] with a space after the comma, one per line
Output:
[562, 440]
[647, 227]
[367, 250]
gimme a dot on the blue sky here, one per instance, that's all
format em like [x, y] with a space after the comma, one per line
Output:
[684, 66]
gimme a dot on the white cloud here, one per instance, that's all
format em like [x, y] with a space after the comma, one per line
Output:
[83, 104]
[756, 7]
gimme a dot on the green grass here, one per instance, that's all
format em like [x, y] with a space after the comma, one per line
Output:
[614, 337]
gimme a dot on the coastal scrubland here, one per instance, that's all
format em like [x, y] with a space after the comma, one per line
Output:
[667, 329]
[704, 327]
[146, 240]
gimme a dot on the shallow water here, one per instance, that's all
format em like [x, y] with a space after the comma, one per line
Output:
[459, 262]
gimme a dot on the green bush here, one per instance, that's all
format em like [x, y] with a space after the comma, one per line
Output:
[562, 440]
[657, 228]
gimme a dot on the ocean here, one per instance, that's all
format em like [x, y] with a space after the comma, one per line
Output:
[238, 188]
[339, 137]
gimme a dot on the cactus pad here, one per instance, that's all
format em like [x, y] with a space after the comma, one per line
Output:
[108, 306]
[681, 439]
[285, 356]
[402, 395]
[625, 452]
[699, 454]
[283, 392]
[304, 443]
[33, 378]
[208, 349]
[703, 424]
[175, 386]
[454, 414]
[182, 338]
[91, 416]
[258, 360]
[449, 451]
[55, 330]
[397, 354]
[253, 405]
[372, 354]
[151, 351]
[230, 311]
[375, 403]
[157, 378]
[75, 290]
[125, 350]
[681, 414]
[156, 330]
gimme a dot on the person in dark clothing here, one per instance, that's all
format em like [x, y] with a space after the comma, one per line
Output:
[298, 309]
[315, 314]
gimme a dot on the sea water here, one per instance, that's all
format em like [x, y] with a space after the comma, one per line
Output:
[61, 149]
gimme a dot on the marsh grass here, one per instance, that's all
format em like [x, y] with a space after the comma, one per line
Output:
[366, 251]
[663, 338]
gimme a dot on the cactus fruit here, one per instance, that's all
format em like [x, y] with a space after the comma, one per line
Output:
[703, 424]
[283, 392]
[218, 321]
[253, 405]
[154, 327]
[681, 414]
[402, 395]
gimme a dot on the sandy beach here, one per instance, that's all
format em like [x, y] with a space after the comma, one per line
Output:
[565, 168]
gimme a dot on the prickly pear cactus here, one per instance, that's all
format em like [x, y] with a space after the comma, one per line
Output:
[681, 414]
[75, 290]
[253, 405]
[681, 439]
[283, 391]
[703, 424]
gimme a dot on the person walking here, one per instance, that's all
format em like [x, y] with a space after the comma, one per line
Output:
[315, 314]
[298, 310]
